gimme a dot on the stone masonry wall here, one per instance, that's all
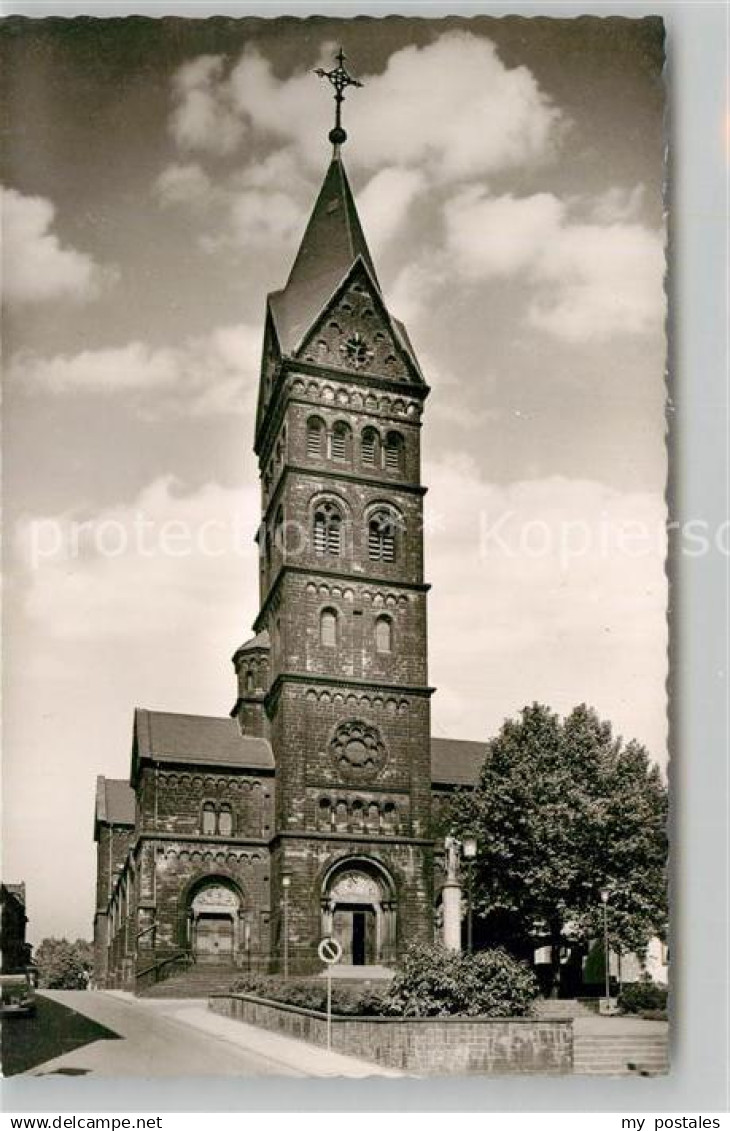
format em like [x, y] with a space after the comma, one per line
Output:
[429, 1046]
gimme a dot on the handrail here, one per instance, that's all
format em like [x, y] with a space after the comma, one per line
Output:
[157, 966]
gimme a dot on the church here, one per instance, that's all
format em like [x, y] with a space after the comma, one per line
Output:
[311, 810]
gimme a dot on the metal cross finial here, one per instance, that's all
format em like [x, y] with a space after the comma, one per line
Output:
[340, 80]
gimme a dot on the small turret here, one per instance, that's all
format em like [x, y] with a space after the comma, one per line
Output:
[251, 662]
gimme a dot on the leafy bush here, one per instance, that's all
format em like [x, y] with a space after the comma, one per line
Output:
[434, 982]
[642, 997]
[311, 994]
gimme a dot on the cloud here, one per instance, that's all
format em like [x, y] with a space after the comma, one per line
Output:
[452, 108]
[618, 204]
[589, 281]
[456, 109]
[203, 118]
[555, 590]
[552, 589]
[248, 209]
[600, 281]
[166, 565]
[183, 184]
[415, 286]
[492, 237]
[259, 218]
[35, 265]
[385, 203]
[206, 375]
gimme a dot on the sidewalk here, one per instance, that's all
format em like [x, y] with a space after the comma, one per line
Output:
[311, 1060]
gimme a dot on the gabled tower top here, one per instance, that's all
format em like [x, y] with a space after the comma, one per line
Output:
[340, 79]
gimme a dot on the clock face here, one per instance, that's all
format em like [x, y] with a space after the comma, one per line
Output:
[357, 350]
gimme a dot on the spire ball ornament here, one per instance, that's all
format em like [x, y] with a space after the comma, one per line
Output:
[340, 80]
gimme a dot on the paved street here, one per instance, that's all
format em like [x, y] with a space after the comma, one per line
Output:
[182, 1038]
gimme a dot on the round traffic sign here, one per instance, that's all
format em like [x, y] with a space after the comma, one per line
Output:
[330, 951]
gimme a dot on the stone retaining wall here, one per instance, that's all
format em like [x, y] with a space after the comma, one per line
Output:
[427, 1045]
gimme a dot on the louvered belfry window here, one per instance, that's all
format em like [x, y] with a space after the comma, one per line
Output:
[315, 437]
[369, 449]
[327, 530]
[341, 441]
[381, 537]
[394, 452]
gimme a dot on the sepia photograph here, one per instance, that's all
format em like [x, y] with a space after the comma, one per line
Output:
[335, 492]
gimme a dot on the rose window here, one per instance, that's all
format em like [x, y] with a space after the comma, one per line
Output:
[358, 750]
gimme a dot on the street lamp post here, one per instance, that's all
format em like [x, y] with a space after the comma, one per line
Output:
[286, 884]
[604, 900]
[469, 850]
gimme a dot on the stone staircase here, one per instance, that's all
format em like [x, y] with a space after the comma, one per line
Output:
[620, 1054]
[560, 1009]
[195, 981]
[360, 975]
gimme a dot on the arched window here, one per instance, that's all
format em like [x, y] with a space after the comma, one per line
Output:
[327, 530]
[383, 634]
[342, 442]
[381, 537]
[225, 821]
[328, 628]
[209, 819]
[394, 452]
[373, 816]
[325, 813]
[315, 437]
[370, 447]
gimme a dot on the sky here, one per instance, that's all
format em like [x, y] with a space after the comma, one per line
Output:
[157, 177]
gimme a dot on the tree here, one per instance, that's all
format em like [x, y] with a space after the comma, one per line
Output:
[563, 809]
[61, 964]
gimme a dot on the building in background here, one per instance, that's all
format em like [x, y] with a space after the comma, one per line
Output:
[16, 952]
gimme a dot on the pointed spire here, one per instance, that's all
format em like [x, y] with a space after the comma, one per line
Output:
[332, 243]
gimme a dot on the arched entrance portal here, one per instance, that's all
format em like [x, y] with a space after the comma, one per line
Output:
[215, 921]
[358, 908]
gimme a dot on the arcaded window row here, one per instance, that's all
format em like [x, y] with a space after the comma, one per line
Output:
[329, 631]
[337, 443]
[384, 530]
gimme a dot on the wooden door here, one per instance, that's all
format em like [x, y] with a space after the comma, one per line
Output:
[214, 938]
[342, 931]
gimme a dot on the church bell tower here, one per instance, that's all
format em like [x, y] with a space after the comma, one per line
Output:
[337, 674]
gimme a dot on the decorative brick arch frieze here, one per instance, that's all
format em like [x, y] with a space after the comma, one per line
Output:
[358, 701]
[377, 597]
[322, 393]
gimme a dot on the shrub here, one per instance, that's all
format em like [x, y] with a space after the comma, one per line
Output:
[642, 997]
[434, 982]
[311, 994]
